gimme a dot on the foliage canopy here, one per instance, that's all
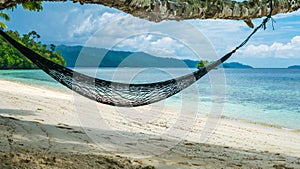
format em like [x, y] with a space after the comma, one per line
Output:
[11, 58]
[203, 63]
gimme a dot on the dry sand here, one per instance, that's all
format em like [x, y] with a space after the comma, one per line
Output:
[44, 128]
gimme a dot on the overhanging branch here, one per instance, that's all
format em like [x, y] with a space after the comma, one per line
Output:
[158, 10]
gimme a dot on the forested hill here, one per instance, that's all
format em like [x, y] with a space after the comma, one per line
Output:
[89, 57]
[294, 67]
[11, 58]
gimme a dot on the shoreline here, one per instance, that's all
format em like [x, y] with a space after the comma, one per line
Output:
[46, 120]
[260, 124]
[63, 89]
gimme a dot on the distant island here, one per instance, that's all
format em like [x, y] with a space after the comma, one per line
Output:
[236, 65]
[125, 59]
[294, 67]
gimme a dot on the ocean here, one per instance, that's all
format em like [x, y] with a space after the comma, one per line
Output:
[268, 96]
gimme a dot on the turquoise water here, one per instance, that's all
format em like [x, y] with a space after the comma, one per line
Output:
[270, 96]
[31, 77]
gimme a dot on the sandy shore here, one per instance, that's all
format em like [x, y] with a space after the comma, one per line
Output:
[44, 128]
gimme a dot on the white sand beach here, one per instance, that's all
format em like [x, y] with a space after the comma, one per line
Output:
[47, 128]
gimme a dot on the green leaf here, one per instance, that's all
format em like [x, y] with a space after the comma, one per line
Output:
[5, 16]
[33, 6]
[2, 25]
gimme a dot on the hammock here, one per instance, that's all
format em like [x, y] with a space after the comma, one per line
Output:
[120, 94]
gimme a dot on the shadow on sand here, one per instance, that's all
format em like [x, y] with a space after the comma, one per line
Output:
[34, 144]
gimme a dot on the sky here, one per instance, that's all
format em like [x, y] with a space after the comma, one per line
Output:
[103, 27]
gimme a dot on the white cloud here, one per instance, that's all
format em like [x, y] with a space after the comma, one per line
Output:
[166, 39]
[152, 44]
[88, 22]
[287, 15]
[276, 50]
[223, 34]
[85, 26]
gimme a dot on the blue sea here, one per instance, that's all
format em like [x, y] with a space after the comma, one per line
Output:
[269, 96]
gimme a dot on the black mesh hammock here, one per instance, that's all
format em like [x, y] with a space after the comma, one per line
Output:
[119, 94]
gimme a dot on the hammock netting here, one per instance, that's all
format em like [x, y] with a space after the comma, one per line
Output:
[119, 94]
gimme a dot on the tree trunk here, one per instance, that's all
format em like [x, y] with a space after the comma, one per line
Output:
[158, 10]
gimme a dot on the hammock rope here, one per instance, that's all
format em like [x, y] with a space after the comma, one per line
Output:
[121, 94]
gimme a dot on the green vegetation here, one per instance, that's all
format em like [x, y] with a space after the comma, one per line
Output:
[11, 58]
[31, 6]
[4, 16]
[203, 63]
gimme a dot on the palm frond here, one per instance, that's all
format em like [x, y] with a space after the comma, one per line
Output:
[5, 16]
[2, 25]
[33, 6]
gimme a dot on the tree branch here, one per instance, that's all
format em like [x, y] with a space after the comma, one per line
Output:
[158, 10]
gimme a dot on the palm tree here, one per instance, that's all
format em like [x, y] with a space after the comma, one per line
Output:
[52, 47]
[34, 35]
[4, 16]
